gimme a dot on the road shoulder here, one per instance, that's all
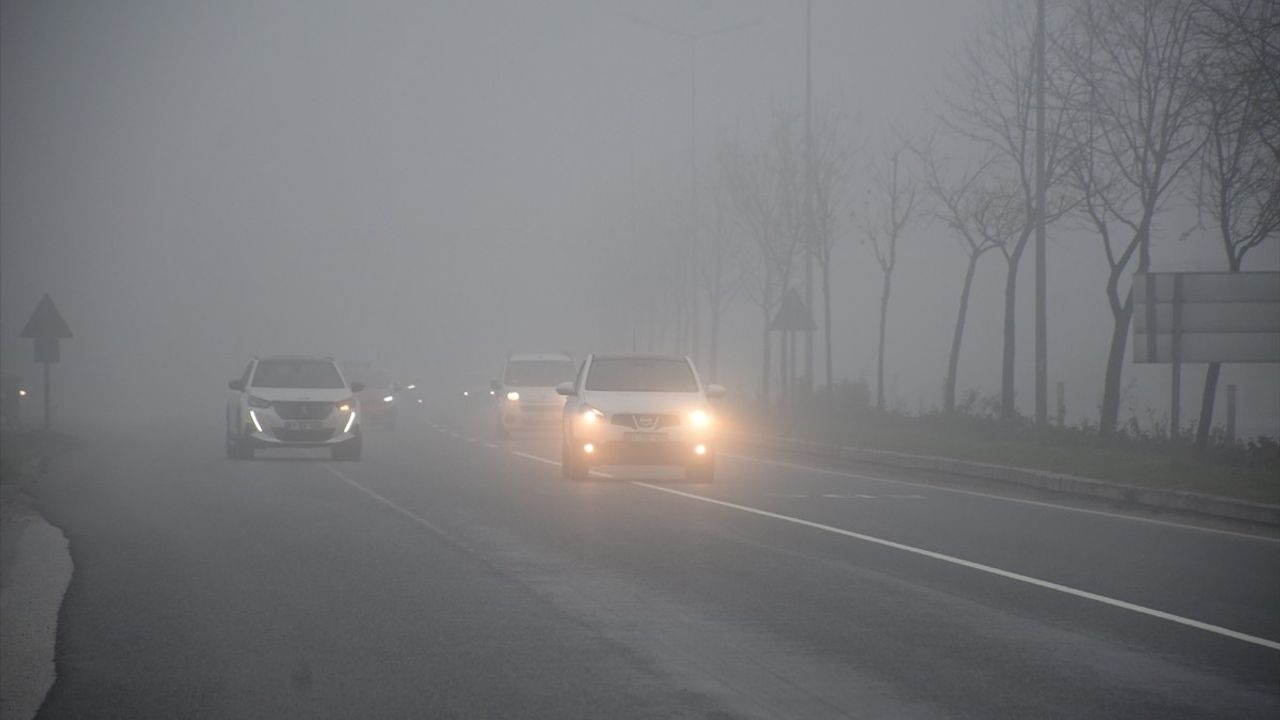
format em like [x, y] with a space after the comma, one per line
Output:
[35, 569]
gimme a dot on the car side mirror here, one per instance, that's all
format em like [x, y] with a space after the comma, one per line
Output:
[494, 385]
[237, 385]
[715, 392]
[566, 388]
[357, 386]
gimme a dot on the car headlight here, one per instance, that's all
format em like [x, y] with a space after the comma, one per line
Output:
[700, 418]
[592, 415]
[513, 396]
[346, 405]
[257, 402]
[388, 398]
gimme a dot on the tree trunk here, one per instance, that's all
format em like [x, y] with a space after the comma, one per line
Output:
[884, 312]
[767, 357]
[715, 344]
[1210, 393]
[1206, 405]
[1007, 407]
[1115, 365]
[949, 389]
[826, 326]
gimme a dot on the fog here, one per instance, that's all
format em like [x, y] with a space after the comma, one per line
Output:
[427, 186]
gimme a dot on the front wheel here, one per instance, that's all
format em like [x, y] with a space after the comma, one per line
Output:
[572, 466]
[238, 448]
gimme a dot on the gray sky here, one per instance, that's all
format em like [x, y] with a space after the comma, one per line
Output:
[428, 185]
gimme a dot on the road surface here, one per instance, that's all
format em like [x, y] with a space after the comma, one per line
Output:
[449, 575]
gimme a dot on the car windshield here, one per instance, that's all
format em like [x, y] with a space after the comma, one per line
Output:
[538, 372]
[311, 374]
[641, 375]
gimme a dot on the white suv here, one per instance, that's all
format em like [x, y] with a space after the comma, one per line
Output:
[527, 398]
[293, 401]
[638, 410]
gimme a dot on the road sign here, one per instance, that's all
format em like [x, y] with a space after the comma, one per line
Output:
[47, 328]
[792, 315]
[1206, 317]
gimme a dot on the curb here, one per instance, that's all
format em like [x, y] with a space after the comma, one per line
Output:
[1214, 505]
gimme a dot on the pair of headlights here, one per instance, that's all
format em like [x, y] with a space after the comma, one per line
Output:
[698, 418]
[347, 405]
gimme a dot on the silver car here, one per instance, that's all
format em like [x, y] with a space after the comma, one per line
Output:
[293, 401]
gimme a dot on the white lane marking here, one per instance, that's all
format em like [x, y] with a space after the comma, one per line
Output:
[472, 440]
[907, 497]
[1048, 585]
[535, 457]
[491, 445]
[416, 518]
[1226, 632]
[849, 497]
[927, 486]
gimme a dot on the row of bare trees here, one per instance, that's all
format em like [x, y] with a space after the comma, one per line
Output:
[1149, 103]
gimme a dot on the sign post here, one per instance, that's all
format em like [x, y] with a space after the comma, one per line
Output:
[47, 328]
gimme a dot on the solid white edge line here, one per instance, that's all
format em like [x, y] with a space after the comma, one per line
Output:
[415, 518]
[1038, 503]
[1226, 632]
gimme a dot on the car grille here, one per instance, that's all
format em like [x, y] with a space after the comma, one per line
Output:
[302, 410]
[303, 435]
[639, 421]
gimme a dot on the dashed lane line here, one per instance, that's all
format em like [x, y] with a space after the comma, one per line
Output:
[991, 496]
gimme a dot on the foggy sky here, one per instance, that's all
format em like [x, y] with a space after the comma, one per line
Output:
[429, 185]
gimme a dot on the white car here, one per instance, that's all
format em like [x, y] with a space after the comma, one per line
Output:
[293, 401]
[638, 409]
[527, 398]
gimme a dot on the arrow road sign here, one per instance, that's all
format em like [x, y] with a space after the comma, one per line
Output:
[46, 327]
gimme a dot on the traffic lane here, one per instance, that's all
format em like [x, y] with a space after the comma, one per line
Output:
[1225, 579]
[958, 642]
[205, 587]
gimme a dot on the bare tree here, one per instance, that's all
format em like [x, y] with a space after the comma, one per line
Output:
[1135, 134]
[721, 271]
[830, 166]
[765, 185]
[1239, 169]
[891, 204]
[994, 105]
[984, 217]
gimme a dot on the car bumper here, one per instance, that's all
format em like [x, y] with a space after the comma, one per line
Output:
[614, 445]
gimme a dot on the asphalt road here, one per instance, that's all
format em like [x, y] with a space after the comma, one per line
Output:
[447, 575]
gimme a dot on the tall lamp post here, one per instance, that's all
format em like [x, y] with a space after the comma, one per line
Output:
[694, 243]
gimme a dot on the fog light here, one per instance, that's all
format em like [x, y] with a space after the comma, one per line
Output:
[700, 449]
[588, 448]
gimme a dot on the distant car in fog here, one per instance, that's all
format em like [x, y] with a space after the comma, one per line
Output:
[526, 392]
[293, 401]
[638, 409]
[380, 397]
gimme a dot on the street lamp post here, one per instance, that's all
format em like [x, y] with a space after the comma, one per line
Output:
[694, 243]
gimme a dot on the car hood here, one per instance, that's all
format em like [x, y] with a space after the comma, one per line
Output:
[645, 403]
[300, 394]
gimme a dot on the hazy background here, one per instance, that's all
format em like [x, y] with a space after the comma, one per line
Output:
[428, 185]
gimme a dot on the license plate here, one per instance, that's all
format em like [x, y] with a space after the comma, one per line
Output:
[644, 436]
[297, 425]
